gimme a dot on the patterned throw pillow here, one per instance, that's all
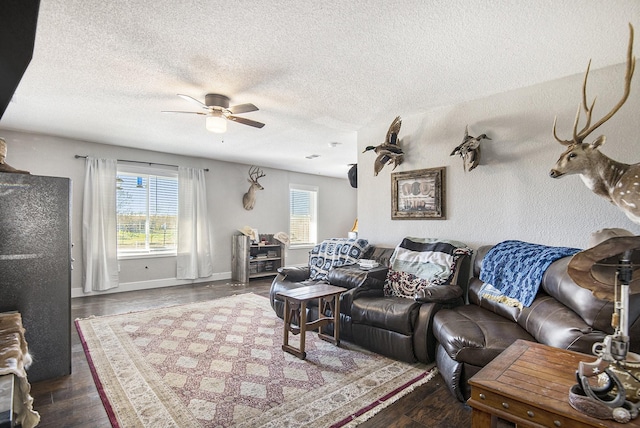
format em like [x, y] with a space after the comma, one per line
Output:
[335, 252]
[417, 263]
[403, 284]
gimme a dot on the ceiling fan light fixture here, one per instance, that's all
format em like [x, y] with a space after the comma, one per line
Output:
[217, 124]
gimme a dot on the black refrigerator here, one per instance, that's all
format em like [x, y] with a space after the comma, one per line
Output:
[35, 267]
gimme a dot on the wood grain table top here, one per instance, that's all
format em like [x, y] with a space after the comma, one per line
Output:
[530, 378]
[311, 292]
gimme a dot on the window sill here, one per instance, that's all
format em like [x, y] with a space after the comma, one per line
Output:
[302, 246]
[145, 256]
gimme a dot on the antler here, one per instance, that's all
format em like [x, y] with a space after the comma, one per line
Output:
[578, 137]
[255, 173]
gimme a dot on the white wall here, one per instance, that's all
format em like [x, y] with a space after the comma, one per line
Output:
[226, 183]
[510, 195]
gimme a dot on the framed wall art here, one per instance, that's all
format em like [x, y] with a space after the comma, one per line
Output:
[418, 194]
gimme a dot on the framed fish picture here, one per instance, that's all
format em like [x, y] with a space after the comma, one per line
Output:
[418, 194]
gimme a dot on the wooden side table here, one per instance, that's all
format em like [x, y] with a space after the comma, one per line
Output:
[295, 309]
[528, 384]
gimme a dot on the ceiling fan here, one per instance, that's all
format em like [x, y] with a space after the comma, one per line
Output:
[217, 110]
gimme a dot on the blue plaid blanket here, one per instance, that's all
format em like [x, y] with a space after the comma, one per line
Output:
[515, 269]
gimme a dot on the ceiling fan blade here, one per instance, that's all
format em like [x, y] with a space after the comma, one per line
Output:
[187, 112]
[244, 121]
[193, 100]
[243, 108]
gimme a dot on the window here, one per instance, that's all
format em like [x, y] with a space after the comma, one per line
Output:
[303, 215]
[147, 211]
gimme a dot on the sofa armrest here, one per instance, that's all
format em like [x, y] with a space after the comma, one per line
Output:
[295, 273]
[445, 294]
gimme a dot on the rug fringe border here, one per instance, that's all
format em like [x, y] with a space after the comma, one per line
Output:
[377, 406]
[96, 379]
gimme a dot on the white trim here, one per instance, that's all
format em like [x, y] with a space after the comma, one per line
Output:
[148, 255]
[303, 187]
[148, 285]
[302, 246]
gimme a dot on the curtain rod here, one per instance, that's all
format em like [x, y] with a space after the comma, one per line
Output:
[133, 161]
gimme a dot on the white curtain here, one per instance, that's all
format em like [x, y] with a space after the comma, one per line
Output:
[194, 241]
[99, 232]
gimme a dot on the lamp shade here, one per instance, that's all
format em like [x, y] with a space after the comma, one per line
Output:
[217, 124]
[596, 267]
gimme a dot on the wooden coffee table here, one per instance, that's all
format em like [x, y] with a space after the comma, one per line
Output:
[529, 384]
[295, 309]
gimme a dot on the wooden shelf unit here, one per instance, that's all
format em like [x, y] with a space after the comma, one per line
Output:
[249, 260]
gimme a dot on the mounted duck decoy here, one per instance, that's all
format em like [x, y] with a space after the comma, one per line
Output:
[388, 152]
[469, 149]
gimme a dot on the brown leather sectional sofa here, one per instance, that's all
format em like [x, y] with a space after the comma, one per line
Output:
[396, 327]
[563, 315]
[461, 338]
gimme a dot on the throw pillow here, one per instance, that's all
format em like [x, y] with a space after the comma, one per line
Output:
[417, 263]
[403, 284]
[335, 252]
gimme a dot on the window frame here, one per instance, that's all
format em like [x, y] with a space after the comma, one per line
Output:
[157, 171]
[313, 234]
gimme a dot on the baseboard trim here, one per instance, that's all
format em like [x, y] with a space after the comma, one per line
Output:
[154, 283]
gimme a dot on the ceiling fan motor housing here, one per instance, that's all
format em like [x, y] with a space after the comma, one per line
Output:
[216, 100]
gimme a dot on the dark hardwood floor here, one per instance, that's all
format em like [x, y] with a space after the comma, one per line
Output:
[73, 401]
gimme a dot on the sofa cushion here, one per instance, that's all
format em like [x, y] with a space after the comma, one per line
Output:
[595, 312]
[417, 263]
[335, 252]
[552, 323]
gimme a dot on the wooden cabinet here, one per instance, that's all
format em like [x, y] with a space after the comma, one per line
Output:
[249, 260]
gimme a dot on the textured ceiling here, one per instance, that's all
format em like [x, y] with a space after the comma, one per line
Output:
[103, 71]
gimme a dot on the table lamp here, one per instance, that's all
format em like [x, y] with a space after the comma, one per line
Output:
[609, 388]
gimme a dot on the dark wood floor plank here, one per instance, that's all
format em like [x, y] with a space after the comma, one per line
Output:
[73, 401]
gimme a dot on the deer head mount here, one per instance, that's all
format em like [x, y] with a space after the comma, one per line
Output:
[616, 181]
[249, 198]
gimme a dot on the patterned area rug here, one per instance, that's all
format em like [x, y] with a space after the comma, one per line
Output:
[220, 364]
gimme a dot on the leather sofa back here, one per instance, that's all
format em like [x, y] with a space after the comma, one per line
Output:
[558, 284]
[380, 254]
[549, 319]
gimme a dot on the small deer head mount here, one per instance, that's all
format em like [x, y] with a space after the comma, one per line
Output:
[249, 198]
[613, 180]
